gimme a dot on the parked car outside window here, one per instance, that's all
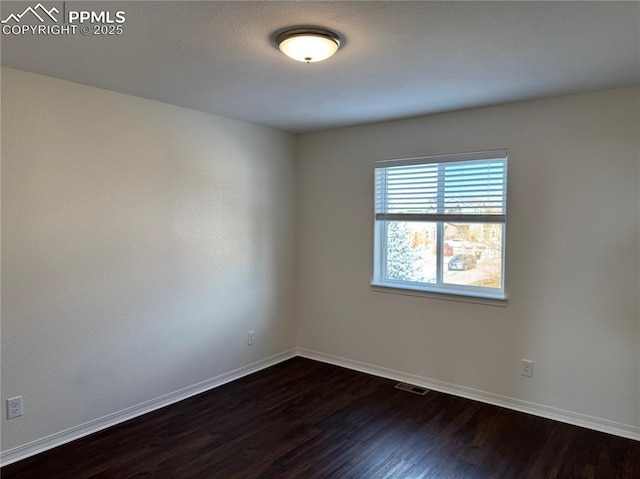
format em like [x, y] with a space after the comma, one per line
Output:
[462, 262]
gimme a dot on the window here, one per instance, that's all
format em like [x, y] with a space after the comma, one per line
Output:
[440, 224]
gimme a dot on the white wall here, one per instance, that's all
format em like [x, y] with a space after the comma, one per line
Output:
[140, 243]
[571, 265]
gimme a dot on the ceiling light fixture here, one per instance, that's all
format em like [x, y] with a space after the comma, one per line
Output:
[308, 44]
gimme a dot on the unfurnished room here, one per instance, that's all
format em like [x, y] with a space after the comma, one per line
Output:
[320, 239]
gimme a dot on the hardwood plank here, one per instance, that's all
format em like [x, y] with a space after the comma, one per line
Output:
[306, 419]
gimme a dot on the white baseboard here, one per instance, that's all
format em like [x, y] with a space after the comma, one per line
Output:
[59, 438]
[77, 432]
[569, 417]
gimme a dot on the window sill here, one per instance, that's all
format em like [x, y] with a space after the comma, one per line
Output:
[466, 297]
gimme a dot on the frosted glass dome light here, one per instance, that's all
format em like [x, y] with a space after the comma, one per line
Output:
[308, 44]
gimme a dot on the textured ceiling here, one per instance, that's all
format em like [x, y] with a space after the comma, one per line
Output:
[398, 59]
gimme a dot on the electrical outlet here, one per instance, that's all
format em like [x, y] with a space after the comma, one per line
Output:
[526, 369]
[251, 338]
[14, 407]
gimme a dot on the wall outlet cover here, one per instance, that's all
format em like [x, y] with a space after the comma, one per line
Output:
[526, 369]
[14, 407]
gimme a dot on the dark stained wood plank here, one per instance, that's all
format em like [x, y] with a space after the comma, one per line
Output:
[306, 419]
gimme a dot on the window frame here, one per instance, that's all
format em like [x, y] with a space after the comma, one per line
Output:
[441, 289]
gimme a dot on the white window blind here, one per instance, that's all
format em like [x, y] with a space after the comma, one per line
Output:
[443, 188]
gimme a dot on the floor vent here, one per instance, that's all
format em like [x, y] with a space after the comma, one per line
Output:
[412, 388]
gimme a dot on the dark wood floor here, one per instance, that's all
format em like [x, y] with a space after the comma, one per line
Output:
[305, 419]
